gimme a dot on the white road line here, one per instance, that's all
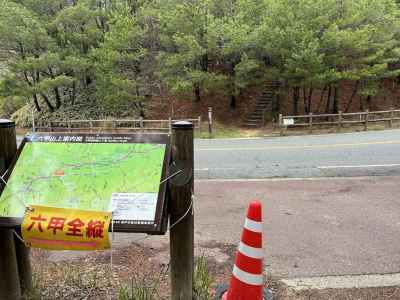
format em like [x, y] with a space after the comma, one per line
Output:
[286, 179]
[208, 169]
[294, 147]
[343, 282]
[231, 139]
[359, 166]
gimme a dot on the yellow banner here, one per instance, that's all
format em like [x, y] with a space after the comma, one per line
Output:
[65, 229]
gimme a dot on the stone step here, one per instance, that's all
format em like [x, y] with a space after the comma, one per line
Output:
[260, 111]
[252, 125]
[258, 123]
[263, 107]
[263, 102]
[255, 121]
[255, 118]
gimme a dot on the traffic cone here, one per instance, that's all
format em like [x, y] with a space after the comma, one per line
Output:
[247, 276]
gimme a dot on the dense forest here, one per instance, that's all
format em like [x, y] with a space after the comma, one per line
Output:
[109, 55]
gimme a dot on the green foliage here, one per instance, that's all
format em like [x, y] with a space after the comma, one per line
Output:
[202, 280]
[9, 105]
[57, 51]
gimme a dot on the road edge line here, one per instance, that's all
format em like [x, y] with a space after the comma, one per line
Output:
[343, 282]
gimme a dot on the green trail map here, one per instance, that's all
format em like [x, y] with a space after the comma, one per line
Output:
[83, 176]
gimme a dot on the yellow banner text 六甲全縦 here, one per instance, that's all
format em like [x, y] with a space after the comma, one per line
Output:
[65, 229]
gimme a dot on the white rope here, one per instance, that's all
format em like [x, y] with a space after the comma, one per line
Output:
[2, 177]
[184, 216]
[112, 241]
[171, 176]
[19, 237]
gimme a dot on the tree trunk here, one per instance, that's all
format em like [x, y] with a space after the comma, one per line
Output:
[278, 103]
[56, 91]
[296, 98]
[204, 63]
[73, 93]
[233, 102]
[232, 85]
[197, 97]
[322, 98]
[328, 101]
[58, 98]
[310, 93]
[88, 80]
[305, 100]
[336, 100]
[352, 96]
[361, 103]
[47, 101]
[369, 100]
[36, 103]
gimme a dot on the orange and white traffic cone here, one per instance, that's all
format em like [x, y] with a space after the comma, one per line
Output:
[247, 276]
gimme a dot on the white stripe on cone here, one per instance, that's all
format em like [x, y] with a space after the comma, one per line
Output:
[253, 225]
[248, 278]
[251, 251]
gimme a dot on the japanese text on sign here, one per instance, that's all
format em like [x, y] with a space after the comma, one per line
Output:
[65, 229]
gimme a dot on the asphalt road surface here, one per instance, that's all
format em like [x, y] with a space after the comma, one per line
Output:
[351, 154]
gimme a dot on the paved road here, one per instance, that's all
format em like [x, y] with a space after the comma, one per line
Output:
[341, 226]
[351, 154]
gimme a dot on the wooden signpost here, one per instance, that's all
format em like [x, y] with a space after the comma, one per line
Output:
[15, 268]
[182, 218]
[177, 182]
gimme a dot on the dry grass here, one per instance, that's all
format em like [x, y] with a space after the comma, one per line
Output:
[137, 274]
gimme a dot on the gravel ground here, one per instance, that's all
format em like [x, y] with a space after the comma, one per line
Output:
[91, 277]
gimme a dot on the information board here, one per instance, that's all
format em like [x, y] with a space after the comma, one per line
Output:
[288, 122]
[120, 173]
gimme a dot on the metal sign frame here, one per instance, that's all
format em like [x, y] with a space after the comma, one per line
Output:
[159, 226]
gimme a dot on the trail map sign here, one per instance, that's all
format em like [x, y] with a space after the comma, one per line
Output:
[119, 173]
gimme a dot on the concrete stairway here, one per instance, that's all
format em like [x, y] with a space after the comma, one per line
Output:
[265, 104]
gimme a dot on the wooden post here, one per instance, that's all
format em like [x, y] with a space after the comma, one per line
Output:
[366, 120]
[263, 117]
[210, 121]
[280, 124]
[9, 279]
[391, 117]
[181, 210]
[199, 125]
[310, 120]
[340, 120]
[170, 125]
[141, 123]
[24, 265]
